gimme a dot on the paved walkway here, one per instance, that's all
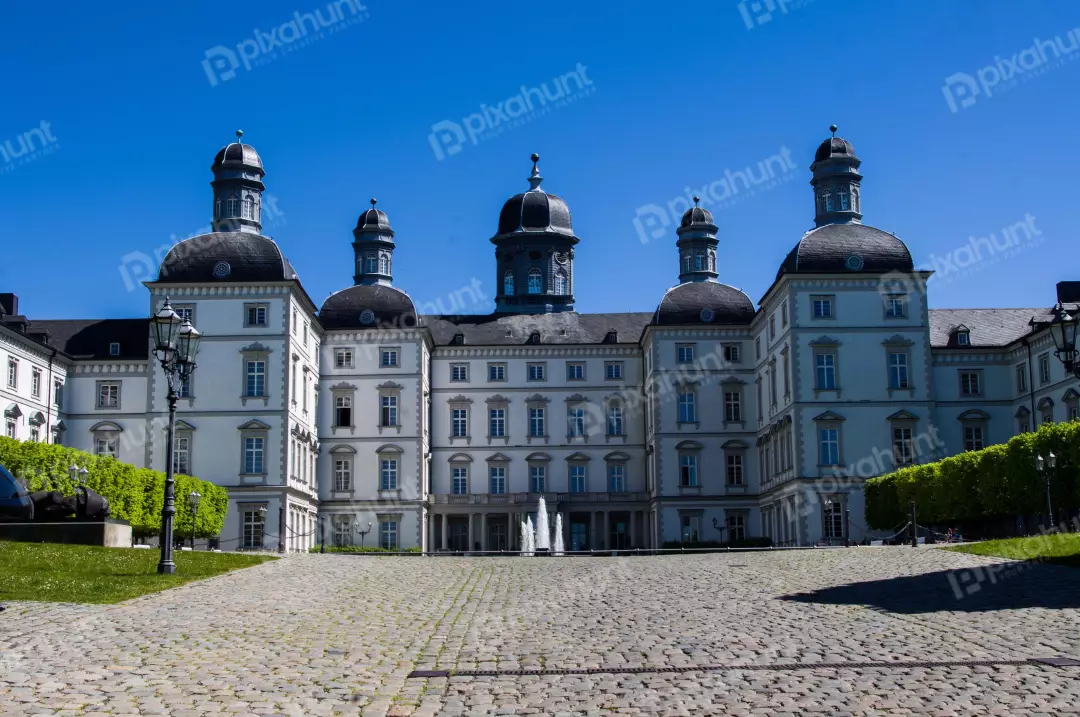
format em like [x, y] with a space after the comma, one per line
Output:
[323, 635]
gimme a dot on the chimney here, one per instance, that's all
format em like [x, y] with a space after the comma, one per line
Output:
[1068, 292]
[9, 304]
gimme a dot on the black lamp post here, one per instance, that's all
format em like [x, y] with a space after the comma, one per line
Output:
[175, 344]
[362, 534]
[1041, 466]
[193, 501]
[1063, 331]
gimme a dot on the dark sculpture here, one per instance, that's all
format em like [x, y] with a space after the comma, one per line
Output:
[17, 504]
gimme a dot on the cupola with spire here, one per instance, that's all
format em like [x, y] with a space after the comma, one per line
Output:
[373, 247]
[534, 252]
[697, 245]
[238, 187]
[836, 182]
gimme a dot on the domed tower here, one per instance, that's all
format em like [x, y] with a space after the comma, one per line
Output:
[697, 245]
[238, 188]
[836, 182]
[534, 252]
[373, 246]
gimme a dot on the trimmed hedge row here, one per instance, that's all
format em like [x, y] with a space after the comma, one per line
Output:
[995, 482]
[135, 494]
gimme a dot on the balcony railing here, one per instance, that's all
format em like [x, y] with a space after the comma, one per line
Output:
[532, 499]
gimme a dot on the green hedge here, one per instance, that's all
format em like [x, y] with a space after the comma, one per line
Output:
[997, 481]
[135, 494]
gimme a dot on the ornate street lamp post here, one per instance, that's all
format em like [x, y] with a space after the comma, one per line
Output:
[1041, 466]
[362, 534]
[1063, 331]
[193, 501]
[175, 344]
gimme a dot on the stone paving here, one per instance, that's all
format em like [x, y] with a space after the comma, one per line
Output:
[332, 634]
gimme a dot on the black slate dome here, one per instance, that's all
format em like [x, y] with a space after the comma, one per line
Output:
[535, 211]
[832, 147]
[374, 220]
[368, 307]
[696, 215]
[845, 249]
[704, 302]
[237, 154]
[225, 256]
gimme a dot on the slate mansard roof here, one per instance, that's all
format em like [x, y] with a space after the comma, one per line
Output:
[847, 248]
[535, 211]
[517, 329]
[225, 256]
[704, 302]
[986, 327]
[368, 307]
[90, 338]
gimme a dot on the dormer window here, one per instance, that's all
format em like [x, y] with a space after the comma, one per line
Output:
[114, 349]
[963, 338]
[535, 281]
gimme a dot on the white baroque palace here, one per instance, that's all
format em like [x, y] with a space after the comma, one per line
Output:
[708, 419]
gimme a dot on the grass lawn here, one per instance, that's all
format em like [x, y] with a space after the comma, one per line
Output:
[53, 572]
[1060, 548]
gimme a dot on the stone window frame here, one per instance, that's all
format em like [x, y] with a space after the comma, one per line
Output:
[734, 385]
[574, 402]
[974, 419]
[343, 390]
[575, 364]
[786, 358]
[1021, 378]
[902, 346]
[680, 347]
[1044, 368]
[730, 516]
[1045, 407]
[460, 403]
[460, 461]
[396, 352]
[616, 459]
[831, 298]
[344, 358]
[250, 306]
[254, 429]
[687, 386]
[894, 296]
[1023, 420]
[385, 519]
[614, 400]
[185, 430]
[689, 515]
[98, 385]
[980, 383]
[498, 402]
[732, 347]
[389, 389]
[542, 365]
[734, 448]
[498, 460]
[496, 364]
[695, 450]
[255, 352]
[114, 348]
[389, 451]
[533, 402]
[454, 367]
[103, 430]
[1071, 400]
[574, 461]
[342, 453]
[539, 460]
[825, 346]
[829, 421]
[245, 508]
[903, 420]
[35, 382]
[619, 367]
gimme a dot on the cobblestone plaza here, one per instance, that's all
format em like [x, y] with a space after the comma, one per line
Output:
[332, 634]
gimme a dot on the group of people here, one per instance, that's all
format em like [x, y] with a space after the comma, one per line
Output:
[953, 536]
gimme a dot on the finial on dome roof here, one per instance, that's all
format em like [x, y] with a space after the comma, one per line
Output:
[373, 202]
[697, 200]
[535, 179]
[833, 128]
[239, 134]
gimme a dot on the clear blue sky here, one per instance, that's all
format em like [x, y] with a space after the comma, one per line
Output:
[680, 93]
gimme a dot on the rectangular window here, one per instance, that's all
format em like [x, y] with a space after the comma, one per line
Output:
[613, 370]
[459, 372]
[497, 422]
[575, 372]
[186, 313]
[577, 479]
[757, 348]
[388, 534]
[536, 372]
[388, 473]
[459, 422]
[895, 307]
[898, 370]
[182, 455]
[343, 474]
[496, 372]
[340, 525]
[1074, 412]
[825, 371]
[903, 451]
[114, 349]
[536, 422]
[684, 353]
[108, 395]
[388, 416]
[732, 353]
[617, 478]
[783, 315]
[687, 470]
[254, 454]
[822, 307]
[12, 373]
[537, 478]
[497, 476]
[830, 446]
[35, 434]
[103, 445]
[970, 383]
[732, 406]
[963, 338]
[687, 408]
[342, 411]
[459, 480]
[1044, 368]
[388, 357]
[255, 315]
[58, 388]
[576, 421]
[691, 528]
[973, 438]
[734, 469]
[253, 529]
[614, 420]
[343, 358]
[772, 327]
[185, 388]
[256, 379]
[35, 382]
[1021, 378]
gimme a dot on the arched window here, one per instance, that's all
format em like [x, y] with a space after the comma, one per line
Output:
[217, 208]
[232, 206]
[372, 264]
[699, 261]
[688, 262]
[257, 216]
[828, 202]
[844, 201]
[249, 207]
[508, 283]
[712, 260]
[560, 282]
[384, 264]
[535, 281]
[855, 199]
